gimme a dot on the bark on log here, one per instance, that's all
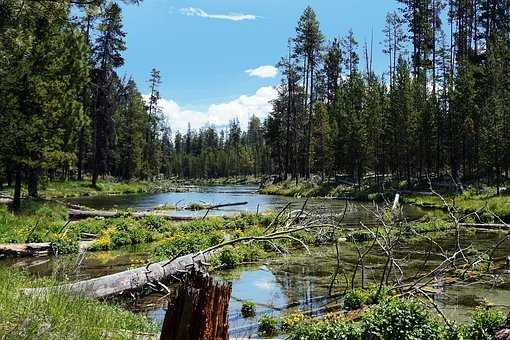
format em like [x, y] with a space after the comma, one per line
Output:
[128, 280]
[200, 310]
[226, 205]
[484, 226]
[33, 249]
[81, 214]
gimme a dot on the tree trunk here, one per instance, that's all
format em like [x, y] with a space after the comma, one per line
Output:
[200, 310]
[16, 202]
[79, 162]
[32, 183]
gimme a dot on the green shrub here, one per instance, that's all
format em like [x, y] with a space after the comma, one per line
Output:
[248, 309]
[268, 326]
[181, 243]
[323, 330]
[291, 321]
[355, 299]
[229, 258]
[484, 323]
[399, 319]
[63, 244]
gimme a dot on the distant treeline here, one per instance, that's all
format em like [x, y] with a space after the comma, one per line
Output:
[441, 107]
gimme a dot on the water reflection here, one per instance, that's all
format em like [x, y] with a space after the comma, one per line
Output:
[214, 195]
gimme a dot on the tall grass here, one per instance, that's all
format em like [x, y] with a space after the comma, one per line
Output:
[59, 315]
[33, 224]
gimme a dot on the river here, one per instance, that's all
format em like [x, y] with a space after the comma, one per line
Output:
[277, 286]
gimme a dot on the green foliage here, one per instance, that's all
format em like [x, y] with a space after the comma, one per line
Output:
[248, 309]
[355, 299]
[123, 231]
[396, 319]
[58, 315]
[35, 221]
[484, 324]
[324, 330]
[230, 258]
[268, 326]
[181, 243]
[358, 297]
[63, 244]
[291, 321]
[60, 189]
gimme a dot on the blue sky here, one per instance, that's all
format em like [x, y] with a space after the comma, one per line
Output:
[203, 49]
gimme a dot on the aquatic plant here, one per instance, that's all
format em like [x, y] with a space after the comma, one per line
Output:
[268, 326]
[248, 309]
[355, 299]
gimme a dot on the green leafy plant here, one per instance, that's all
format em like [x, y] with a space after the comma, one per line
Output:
[355, 299]
[268, 326]
[248, 309]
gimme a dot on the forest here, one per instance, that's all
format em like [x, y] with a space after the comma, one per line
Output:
[441, 108]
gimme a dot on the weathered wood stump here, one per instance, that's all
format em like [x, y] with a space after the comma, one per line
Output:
[199, 311]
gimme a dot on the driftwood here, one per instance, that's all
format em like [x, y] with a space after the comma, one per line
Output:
[199, 311]
[129, 280]
[81, 214]
[33, 249]
[226, 205]
[484, 226]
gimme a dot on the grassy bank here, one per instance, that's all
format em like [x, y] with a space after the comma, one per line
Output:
[322, 189]
[61, 316]
[72, 188]
[84, 188]
[488, 204]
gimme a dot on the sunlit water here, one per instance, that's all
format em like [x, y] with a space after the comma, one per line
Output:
[278, 286]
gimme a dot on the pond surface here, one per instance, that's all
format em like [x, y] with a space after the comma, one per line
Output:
[215, 195]
[288, 283]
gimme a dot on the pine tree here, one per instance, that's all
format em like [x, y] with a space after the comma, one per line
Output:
[107, 57]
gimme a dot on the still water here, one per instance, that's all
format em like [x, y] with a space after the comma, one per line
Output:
[278, 286]
[215, 195]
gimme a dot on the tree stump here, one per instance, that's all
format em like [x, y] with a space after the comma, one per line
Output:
[199, 311]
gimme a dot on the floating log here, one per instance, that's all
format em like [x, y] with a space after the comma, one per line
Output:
[227, 205]
[485, 226]
[199, 311]
[33, 249]
[129, 280]
[81, 214]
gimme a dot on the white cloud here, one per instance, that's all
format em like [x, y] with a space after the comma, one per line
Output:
[198, 12]
[220, 114]
[266, 71]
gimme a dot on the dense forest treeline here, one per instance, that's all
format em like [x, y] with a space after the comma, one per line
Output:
[440, 108]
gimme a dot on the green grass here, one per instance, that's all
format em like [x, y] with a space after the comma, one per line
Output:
[59, 315]
[467, 203]
[35, 223]
[62, 189]
[323, 189]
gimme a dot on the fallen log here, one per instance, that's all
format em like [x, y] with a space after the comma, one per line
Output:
[33, 249]
[82, 214]
[226, 205]
[485, 225]
[129, 280]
